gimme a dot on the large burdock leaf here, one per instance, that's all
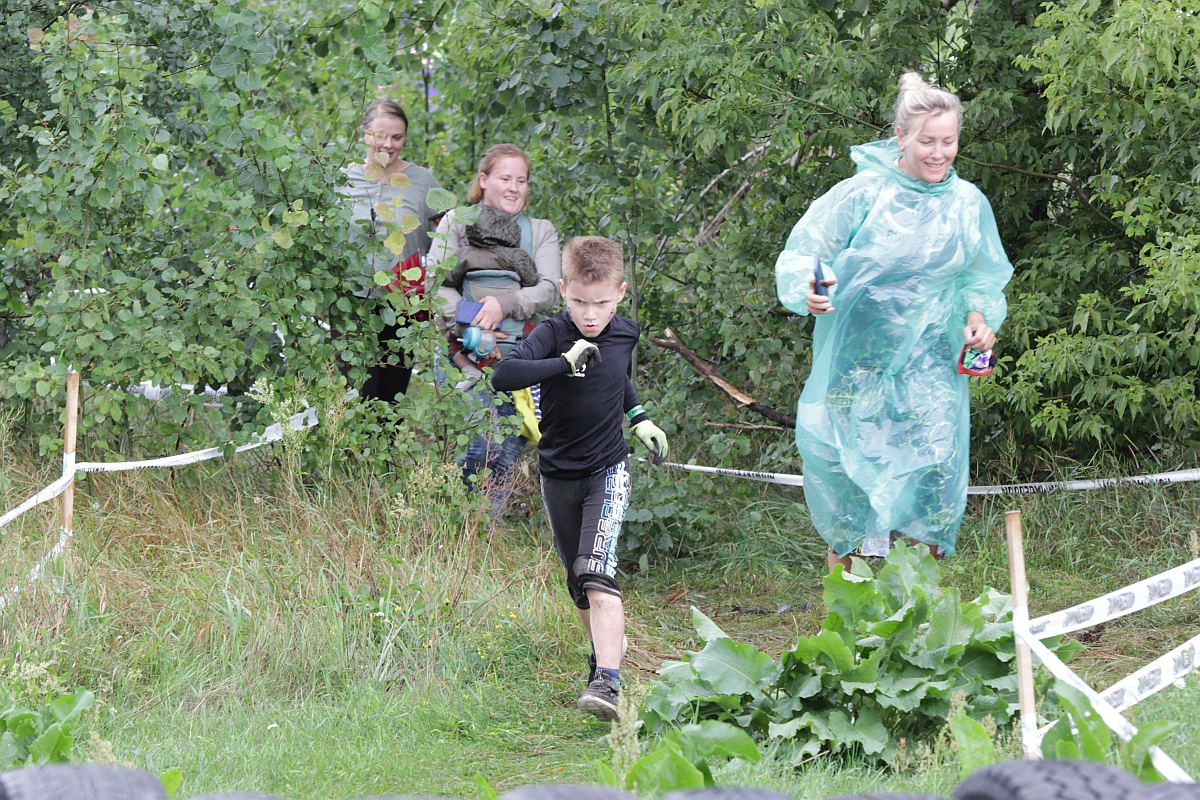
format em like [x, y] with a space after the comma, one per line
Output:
[949, 632]
[837, 656]
[68, 709]
[732, 668]
[661, 771]
[909, 571]
[706, 629]
[852, 598]
[975, 748]
[711, 738]
[836, 728]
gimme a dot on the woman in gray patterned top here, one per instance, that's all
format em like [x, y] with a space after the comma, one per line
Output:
[385, 188]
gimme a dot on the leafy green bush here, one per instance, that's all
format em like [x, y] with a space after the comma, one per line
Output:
[680, 759]
[1078, 733]
[40, 736]
[893, 651]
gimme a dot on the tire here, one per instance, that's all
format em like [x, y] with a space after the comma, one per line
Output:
[888, 796]
[566, 792]
[726, 794]
[80, 782]
[1173, 791]
[1051, 780]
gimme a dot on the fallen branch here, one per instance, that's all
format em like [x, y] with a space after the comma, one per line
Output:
[745, 426]
[735, 394]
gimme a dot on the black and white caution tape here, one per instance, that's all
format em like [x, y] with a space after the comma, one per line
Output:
[1111, 717]
[785, 479]
[1178, 476]
[1155, 676]
[1113, 605]
[765, 477]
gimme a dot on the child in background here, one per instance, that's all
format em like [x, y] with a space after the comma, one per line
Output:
[493, 245]
[581, 359]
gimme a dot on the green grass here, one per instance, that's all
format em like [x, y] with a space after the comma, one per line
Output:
[364, 638]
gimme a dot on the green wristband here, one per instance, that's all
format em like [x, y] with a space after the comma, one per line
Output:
[634, 412]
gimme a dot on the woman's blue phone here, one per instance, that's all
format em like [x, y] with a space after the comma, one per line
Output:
[818, 277]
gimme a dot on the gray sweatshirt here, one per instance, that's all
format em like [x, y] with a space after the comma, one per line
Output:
[364, 195]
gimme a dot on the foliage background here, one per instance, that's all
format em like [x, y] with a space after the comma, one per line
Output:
[183, 157]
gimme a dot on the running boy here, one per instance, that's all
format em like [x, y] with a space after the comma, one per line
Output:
[582, 457]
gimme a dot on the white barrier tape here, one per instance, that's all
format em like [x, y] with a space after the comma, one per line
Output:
[765, 477]
[305, 419]
[49, 493]
[1031, 738]
[1154, 677]
[1179, 476]
[1111, 717]
[6, 599]
[785, 479]
[1113, 605]
[155, 393]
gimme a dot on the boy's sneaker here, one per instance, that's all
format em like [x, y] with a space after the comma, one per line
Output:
[599, 699]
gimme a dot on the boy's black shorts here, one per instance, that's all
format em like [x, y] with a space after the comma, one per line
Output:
[586, 516]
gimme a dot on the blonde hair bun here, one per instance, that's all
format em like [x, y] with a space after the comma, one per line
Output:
[919, 99]
[912, 82]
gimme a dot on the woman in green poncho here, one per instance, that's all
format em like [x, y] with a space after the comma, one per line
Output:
[914, 269]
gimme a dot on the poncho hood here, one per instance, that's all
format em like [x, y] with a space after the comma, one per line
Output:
[882, 156]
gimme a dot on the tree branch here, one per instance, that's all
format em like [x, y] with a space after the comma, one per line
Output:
[740, 398]
[1070, 184]
[744, 426]
[708, 231]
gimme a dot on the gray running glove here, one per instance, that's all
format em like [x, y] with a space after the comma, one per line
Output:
[655, 440]
[579, 356]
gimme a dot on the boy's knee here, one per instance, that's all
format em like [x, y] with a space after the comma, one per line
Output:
[593, 582]
[578, 596]
[600, 598]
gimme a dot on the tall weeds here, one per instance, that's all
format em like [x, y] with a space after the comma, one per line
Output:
[192, 588]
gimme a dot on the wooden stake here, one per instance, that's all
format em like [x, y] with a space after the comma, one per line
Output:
[1020, 598]
[68, 495]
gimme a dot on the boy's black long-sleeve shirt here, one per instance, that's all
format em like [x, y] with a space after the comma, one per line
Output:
[582, 418]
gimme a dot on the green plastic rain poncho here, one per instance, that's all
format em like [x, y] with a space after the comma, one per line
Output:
[883, 422]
